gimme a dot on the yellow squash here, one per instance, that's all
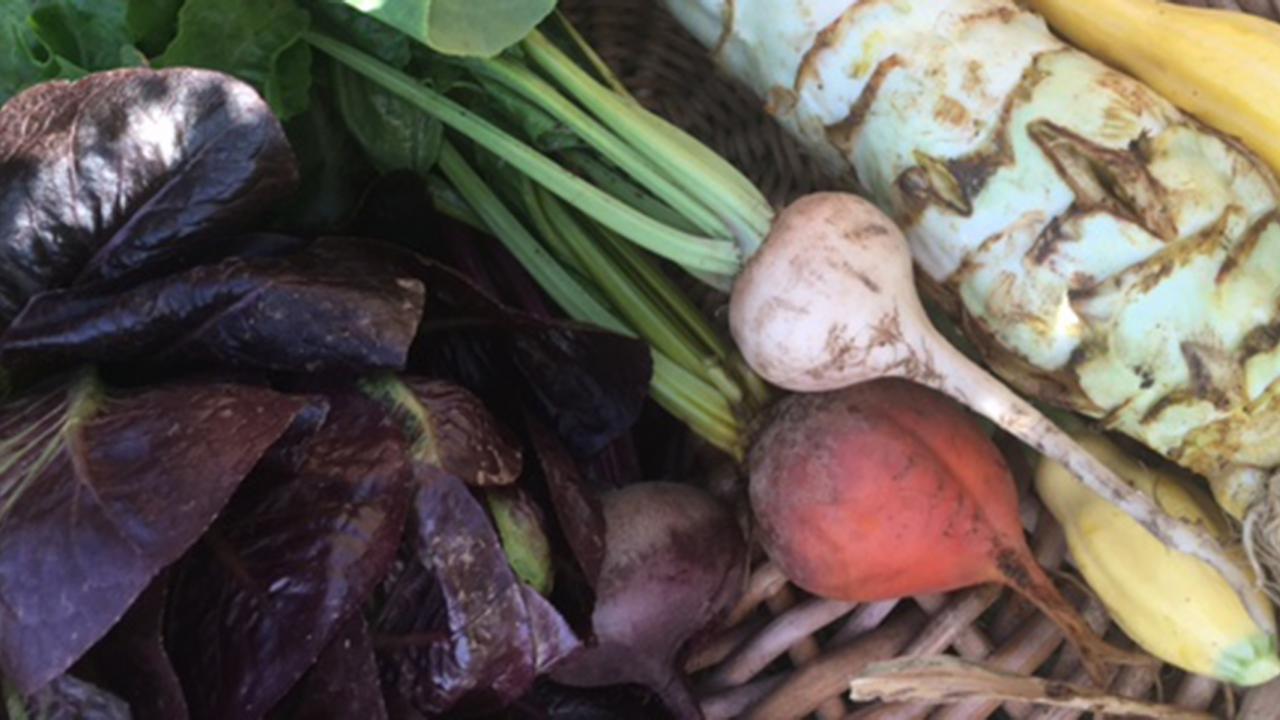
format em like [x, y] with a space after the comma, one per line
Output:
[1219, 65]
[1174, 606]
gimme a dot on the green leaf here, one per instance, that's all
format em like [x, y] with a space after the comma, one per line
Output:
[288, 86]
[259, 41]
[483, 28]
[152, 23]
[394, 134]
[60, 39]
[519, 522]
[331, 166]
[469, 28]
[18, 48]
[360, 30]
[90, 34]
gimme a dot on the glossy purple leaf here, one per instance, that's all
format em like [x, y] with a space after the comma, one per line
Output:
[303, 312]
[342, 684]
[553, 639]
[99, 491]
[130, 172]
[296, 553]
[450, 429]
[132, 662]
[465, 636]
[577, 508]
[551, 701]
[588, 384]
[69, 698]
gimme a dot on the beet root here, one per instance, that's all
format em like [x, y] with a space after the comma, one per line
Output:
[675, 562]
[886, 489]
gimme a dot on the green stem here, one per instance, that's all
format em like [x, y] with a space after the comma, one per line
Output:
[690, 251]
[563, 251]
[597, 63]
[561, 286]
[446, 201]
[678, 392]
[687, 162]
[617, 185]
[536, 90]
[665, 292]
[695, 402]
[645, 316]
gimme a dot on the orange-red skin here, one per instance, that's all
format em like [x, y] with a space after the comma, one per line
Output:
[881, 490]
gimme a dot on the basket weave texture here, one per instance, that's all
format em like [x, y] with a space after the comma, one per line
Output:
[785, 654]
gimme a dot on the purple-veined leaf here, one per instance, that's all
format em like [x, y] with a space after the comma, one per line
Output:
[100, 491]
[298, 551]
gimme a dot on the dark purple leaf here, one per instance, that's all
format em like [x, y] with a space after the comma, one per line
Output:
[578, 509]
[461, 638]
[132, 662]
[298, 313]
[616, 465]
[260, 244]
[342, 684]
[553, 639]
[101, 491]
[589, 384]
[128, 172]
[69, 698]
[450, 429]
[551, 701]
[396, 207]
[295, 554]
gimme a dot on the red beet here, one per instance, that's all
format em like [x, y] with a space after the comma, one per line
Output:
[674, 563]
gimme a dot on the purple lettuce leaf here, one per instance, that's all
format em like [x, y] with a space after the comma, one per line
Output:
[306, 312]
[449, 429]
[342, 684]
[100, 491]
[296, 554]
[132, 661]
[130, 172]
[70, 698]
[456, 630]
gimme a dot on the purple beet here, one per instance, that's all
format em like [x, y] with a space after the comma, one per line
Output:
[674, 564]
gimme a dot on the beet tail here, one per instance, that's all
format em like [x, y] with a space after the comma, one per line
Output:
[1026, 576]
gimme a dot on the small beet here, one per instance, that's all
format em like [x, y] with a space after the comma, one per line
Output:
[674, 563]
[887, 489]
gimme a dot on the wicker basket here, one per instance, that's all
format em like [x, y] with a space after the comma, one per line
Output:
[788, 655]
